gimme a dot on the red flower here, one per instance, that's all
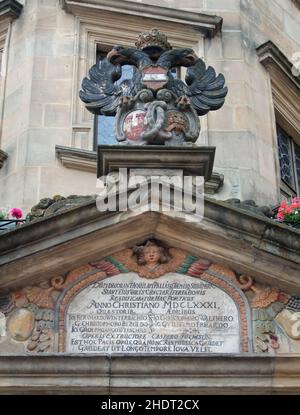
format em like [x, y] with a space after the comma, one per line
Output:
[16, 213]
[280, 216]
[296, 202]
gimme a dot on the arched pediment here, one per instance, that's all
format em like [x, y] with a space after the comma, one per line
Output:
[164, 291]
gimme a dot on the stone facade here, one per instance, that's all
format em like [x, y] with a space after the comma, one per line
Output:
[76, 268]
[52, 44]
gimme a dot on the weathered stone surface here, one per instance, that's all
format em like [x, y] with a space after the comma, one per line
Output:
[45, 51]
[20, 324]
[160, 322]
[57, 204]
[150, 374]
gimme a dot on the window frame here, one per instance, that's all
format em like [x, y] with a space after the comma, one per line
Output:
[287, 190]
[285, 93]
[102, 49]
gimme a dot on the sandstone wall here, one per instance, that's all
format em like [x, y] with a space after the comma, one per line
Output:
[41, 99]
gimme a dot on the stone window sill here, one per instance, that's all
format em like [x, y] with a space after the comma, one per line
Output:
[3, 157]
[76, 158]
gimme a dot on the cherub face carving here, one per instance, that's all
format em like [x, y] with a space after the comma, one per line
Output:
[151, 255]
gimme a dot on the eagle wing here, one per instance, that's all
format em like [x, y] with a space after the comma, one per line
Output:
[205, 90]
[100, 92]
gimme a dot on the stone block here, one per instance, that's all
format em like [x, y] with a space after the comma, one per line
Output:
[292, 28]
[22, 149]
[36, 115]
[222, 119]
[242, 118]
[231, 20]
[13, 101]
[213, 48]
[60, 68]
[233, 70]
[41, 145]
[237, 94]
[47, 18]
[48, 91]
[45, 42]
[39, 68]
[223, 5]
[23, 188]
[65, 48]
[267, 162]
[16, 122]
[235, 149]
[46, 4]
[65, 23]
[57, 115]
[232, 45]
[64, 181]
[14, 195]
[264, 192]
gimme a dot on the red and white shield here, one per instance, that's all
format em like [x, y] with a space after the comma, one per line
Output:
[154, 77]
[134, 125]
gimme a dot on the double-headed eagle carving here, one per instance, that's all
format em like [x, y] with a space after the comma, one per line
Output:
[153, 107]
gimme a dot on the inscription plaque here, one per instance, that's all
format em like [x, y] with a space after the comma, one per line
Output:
[172, 314]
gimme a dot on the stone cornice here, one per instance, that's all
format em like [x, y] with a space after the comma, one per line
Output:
[3, 157]
[10, 9]
[269, 55]
[285, 88]
[207, 24]
[86, 160]
[146, 374]
[244, 241]
[75, 158]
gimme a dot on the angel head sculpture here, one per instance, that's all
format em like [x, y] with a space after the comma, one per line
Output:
[151, 254]
[153, 107]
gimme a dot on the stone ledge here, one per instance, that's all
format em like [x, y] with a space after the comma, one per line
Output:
[214, 184]
[74, 158]
[208, 24]
[242, 240]
[10, 9]
[3, 157]
[85, 160]
[102, 374]
[192, 160]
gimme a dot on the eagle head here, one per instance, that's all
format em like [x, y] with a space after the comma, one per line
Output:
[117, 55]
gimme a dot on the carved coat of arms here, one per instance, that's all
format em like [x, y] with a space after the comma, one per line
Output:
[155, 106]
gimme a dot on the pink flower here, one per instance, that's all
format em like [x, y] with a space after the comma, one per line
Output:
[16, 213]
[296, 202]
[280, 216]
[283, 206]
